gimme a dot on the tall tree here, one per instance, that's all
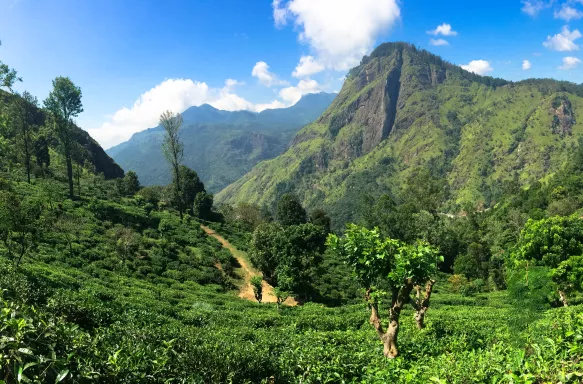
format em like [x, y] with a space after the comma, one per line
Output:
[173, 152]
[64, 103]
[191, 186]
[23, 120]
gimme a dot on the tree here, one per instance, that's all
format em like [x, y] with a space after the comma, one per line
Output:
[280, 295]
[257, 284]
[173, 150]
[263, 250]
[379, 262]
[8, 76]
[203, 206]
[23, 119]
[191, 186]
[299, 251]
[552, 243]
[569, 277]
[131, 183]
[290, 211]
[64, 103]
[20, 224]
[320, 218]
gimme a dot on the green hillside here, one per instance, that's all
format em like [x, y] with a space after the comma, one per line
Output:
[404, 108]
[221, 146]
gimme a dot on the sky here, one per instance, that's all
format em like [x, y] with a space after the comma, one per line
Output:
[134, 59]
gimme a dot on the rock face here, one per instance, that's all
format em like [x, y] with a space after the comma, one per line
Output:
[404, 108]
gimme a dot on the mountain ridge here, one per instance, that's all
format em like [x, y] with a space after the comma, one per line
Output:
[404, 108]
[220, 145]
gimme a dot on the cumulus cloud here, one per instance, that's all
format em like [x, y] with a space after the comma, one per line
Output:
[265, 77]
[526, 65]
[176, 95]
[563, 41]
[339, 32]
[279, 13]
[292, 95]
[568, 13]
[533, 7]
[438, 42]
[307, 67]
[443, 29]
[479, 67]
[569, 62]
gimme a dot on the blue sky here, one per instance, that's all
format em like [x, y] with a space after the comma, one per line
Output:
[134, 59]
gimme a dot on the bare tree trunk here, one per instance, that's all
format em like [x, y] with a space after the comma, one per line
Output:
[421, 305]
[70, 175]
[563, 298]
[389, 338]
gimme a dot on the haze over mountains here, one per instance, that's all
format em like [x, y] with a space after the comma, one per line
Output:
[221, 146]
[405, 108]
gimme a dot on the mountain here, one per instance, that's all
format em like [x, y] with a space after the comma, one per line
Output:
[221, 146]
[89, 150]
[404, 108]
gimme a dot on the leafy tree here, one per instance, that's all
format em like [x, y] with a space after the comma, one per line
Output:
[475, 263]
[290, 211]
[299, 252]
[131, 183]
[402, 268]
[569, 277]
[23, 113]
[551, 243]
[173, 152]
[20, 224]
[8, 76]
[203, 206]
[191, 186]
[320, 218]
[257, 284]
[263, 249]
[64, 103]
[280, 295]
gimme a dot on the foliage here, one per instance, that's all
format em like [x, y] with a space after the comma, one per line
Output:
[290, 211]
[257, 284]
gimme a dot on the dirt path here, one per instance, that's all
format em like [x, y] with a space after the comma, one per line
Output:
[246, 291]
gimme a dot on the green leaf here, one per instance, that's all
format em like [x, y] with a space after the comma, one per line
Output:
[62, 375]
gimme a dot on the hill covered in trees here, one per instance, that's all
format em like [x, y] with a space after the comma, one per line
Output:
[404, 108]
[222, 146]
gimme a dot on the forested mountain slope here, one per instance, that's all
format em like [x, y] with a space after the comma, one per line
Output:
[87, 150]
[221, 146]
[404, 108]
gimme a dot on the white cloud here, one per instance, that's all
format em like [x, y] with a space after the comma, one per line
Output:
[438, 42]
[563, 41]
[570, 62]
[533, 7]
[568, 13]
[292, 95]
[479, 67]
[275, 104]
[265, 77]
[176, 95]
[339, 32]
[526, 65]
[307, 67]
[279, 13]
[443, 29]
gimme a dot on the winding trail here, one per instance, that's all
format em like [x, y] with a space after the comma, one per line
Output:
[246, 290]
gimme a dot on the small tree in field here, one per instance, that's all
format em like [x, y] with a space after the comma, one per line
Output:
[257, 283]
[383, 262]
[280, 295]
